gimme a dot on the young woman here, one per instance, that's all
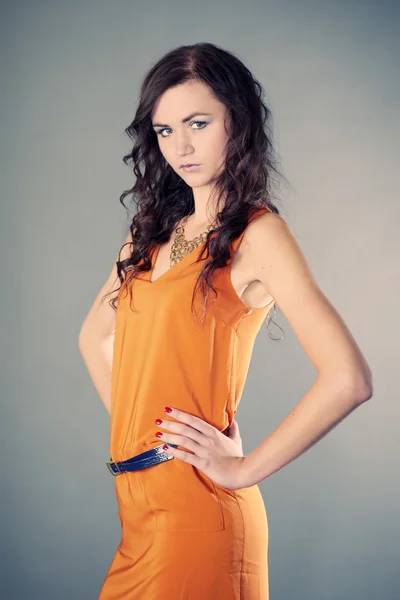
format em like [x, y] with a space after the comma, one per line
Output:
[206, 259]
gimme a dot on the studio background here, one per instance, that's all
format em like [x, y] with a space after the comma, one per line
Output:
[71, 73]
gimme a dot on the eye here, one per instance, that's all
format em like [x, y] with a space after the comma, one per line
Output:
[160, 131]
[203, 123]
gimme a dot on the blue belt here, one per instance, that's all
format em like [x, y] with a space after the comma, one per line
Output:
[141, 461]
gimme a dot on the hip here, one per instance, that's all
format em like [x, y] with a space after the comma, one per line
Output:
[176, 496]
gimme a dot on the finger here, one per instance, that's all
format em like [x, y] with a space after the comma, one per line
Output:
[182, 429]
[184, 442]
[192, 459]
[233, 429]
[194, 422]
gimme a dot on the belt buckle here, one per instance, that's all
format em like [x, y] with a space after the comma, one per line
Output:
[112, 462]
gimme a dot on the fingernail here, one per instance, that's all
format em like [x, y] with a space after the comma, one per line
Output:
[158, 421]
[158, 434]
[165, 447]
[167, 409]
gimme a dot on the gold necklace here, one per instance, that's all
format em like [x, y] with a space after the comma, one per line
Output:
[181, 246]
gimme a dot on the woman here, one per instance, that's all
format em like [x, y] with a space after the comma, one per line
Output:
[193, 520]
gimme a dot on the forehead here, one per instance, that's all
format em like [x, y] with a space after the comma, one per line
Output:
[178, 101]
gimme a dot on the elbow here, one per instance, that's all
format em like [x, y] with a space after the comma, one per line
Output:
[82, 338]
[363, 387]
[88, 336]
[360, 381]
[356, 385]
[364, 393]
[80, 341]
[368, 384]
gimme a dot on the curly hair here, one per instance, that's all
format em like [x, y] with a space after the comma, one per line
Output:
[247, 180]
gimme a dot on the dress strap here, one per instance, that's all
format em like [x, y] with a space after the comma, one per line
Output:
[257, 212]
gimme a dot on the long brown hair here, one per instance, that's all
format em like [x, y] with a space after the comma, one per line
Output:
[247, 181]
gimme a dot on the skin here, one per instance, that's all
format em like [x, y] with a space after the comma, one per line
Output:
[201, 140]
[343, 381]
[271, 258]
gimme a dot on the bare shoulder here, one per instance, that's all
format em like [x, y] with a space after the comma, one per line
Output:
[278, 262]
[264, 235]
[270, 223]
[270, 242]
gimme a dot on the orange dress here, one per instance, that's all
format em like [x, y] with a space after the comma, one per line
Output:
[184, 537]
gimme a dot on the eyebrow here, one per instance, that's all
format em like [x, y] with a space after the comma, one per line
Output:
[195, 114]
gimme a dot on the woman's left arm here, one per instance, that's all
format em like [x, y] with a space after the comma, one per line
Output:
[344, 379]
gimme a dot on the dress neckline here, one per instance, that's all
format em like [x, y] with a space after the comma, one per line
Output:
[180, 263]
[174, 267]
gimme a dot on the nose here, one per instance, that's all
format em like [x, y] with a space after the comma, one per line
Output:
[184, 146]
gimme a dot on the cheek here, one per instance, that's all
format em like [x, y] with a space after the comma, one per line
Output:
[218, 144]
[165, 151]
[220, 138]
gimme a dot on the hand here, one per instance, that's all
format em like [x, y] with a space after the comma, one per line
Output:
[217, 455]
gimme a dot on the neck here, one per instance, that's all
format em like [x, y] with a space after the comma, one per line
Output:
[193, 228]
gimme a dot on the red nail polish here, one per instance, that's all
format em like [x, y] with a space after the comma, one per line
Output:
[158, 421]
[158, 434]
[167, 409]
[165, 447]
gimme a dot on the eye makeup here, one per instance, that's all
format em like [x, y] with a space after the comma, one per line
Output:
[202, 123]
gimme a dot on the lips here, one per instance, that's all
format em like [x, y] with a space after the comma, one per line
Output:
[190, 165]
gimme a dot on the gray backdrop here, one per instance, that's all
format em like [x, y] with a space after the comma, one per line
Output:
[70, 78]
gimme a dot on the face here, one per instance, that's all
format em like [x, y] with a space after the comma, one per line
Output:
[189, 123]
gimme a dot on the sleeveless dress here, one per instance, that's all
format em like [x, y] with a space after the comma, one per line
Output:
[184, 537]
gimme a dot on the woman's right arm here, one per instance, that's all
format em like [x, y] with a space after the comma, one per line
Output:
[96, 336]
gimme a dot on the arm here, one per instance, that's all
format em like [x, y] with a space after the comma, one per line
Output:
[96, 336]
[344, 379]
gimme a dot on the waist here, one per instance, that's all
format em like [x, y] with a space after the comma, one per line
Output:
[140, 461]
